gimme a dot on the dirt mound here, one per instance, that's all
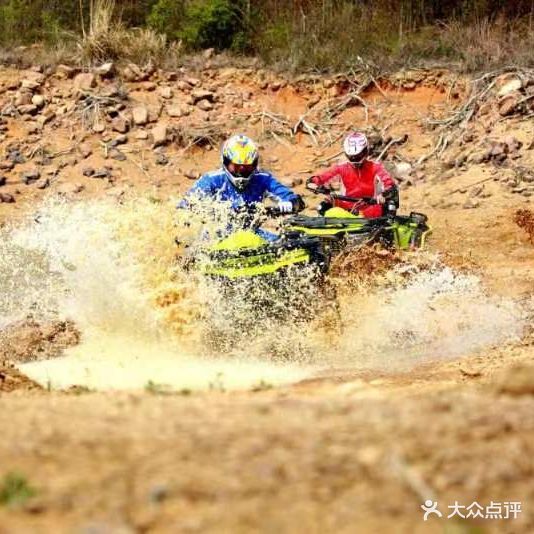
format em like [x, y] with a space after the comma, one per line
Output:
[12, 380]
[31, 340]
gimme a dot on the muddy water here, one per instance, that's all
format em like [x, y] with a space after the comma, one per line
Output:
[113, 271]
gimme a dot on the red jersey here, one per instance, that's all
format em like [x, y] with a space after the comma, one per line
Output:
[369, 180]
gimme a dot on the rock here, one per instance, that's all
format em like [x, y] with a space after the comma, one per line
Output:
[296, 182]
[7, 165]
[106, 70]
[205, 105]
[328, 83]
[30, 85]
[193, 82]
[403, 169]
[38, 100]
[45, 118]
[121, 139]
[7, 198]
[85, 81]
[154, 113]
[88, 171]
[512, 143]
[516, 380]
[510, 86]
[30, 176]
[141, 135]
[166, 92]
[27, 109]
[42, 183]
[159, 135]
[117, 155]
[23, 98]
[120, 125]
[162, 159]
[85, 150]
[471, 203]
[149, 86]
[175, 111]
[140, 115]
[65, 72]
[409, 85]
[202, 94]
[102, 173]
[509, 103]
[183, 85]
[99, 127]
[132, 73]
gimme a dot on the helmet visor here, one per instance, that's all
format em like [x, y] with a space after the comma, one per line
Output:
[358, 158]
[241, 171]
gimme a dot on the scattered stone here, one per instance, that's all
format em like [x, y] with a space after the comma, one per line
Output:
[102, 173]
[471, 203]
[513, 143]
[65, 72]
[149, 86]
[30, 85]
[120, 140]
[208, 53]
[85, 150]
[275, 86]
[117, 155]
[313, 101]
[509, 103]
[166, 93]
[193, 82]
[7, 198]
[509, 87]
[162, 159]
[23, 98]
[99, 127]
[85, 81]
[202, 94]
[141, 135]
[132, 73]
[30, 176]
[175, 111]
[3, 181]
[88, 171]
[106, 70]
[42, 183]
[16, 157]
[183, 85]
[403, 169]
[140, 115]
[45, 118]
[38, 100]
[27, 109]
[159, 135]
[120, 125]
[205, 105]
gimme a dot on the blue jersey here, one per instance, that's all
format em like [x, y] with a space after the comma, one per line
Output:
[216, 185]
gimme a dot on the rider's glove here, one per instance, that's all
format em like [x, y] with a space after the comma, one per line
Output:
[285, 206]
[380, 199]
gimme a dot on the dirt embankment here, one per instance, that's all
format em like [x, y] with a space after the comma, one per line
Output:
[352, 449]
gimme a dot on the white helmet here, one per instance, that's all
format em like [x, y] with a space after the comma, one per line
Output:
[356, 147]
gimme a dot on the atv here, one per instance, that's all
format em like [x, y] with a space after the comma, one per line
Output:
[340, 229]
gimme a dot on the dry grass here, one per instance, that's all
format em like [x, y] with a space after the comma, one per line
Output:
[107, 38]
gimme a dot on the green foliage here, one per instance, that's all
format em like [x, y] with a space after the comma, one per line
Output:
[166, 16]
[212, 23]
[15, 490]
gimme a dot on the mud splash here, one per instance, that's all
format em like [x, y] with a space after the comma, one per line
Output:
[112, 269]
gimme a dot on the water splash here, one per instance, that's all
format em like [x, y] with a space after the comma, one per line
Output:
[113, 270]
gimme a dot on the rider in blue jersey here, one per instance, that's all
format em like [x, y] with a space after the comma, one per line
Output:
[241, 185]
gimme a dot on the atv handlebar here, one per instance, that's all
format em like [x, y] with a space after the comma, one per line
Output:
[321, 190]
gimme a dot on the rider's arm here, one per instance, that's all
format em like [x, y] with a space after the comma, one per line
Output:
[325, 177]
[204, 187]
[384, 177]
[287, 199]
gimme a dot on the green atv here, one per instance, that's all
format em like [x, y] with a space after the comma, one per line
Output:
[340, 229]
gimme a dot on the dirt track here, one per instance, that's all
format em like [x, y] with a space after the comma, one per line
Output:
[351, 450]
